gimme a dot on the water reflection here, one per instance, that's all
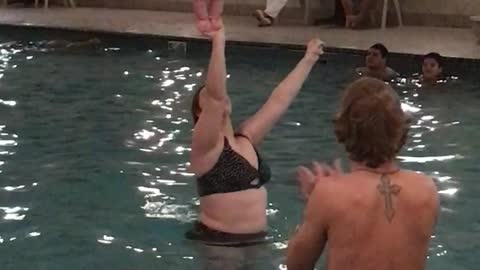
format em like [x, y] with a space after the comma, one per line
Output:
[449, 191]
[8, 145]
[432, 145]
[156, 148]
[106, 239]
[33, 234]
[161, 133]
[407, 159]
[14, 213]
[17, 188]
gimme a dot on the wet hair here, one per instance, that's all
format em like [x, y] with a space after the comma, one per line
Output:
[383, 50]
[435, 56]
[370, 122]
[196, 104]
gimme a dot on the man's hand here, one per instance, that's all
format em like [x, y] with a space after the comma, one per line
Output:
[307, 178]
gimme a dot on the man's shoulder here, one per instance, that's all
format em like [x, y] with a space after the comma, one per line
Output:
[391, 73]
[423, 194]
[327, 190]
[332, 189]
[342, 185]
[421, 179]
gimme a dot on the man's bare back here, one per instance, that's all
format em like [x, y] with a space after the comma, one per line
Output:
[377, 216]
[372, 221]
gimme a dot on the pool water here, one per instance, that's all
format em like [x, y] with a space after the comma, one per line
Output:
[94, 144]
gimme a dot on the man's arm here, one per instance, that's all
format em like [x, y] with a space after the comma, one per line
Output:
[390, 74]
[308, 243]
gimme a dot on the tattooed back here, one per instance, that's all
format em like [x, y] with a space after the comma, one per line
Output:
[382, 222]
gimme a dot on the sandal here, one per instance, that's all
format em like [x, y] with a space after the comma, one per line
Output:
[263, 18]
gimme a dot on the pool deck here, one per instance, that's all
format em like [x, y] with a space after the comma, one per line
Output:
[451, 42]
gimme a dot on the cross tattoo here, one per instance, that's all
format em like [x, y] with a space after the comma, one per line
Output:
[387, 190]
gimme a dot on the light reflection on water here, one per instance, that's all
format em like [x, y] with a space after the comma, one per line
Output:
[161, 201]
[423, 149]
[8, 144]
[140, 197]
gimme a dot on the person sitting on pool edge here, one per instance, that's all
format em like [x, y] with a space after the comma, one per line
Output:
[268, 16]
[377, 216]
[358, 13]
[230, 172]
[432, 68]
[376, 64]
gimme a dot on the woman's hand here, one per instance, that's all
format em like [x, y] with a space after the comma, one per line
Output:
[314, 50]
[217, 35]
[262, 122]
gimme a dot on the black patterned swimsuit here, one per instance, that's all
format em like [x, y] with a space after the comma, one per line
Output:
[233, 173]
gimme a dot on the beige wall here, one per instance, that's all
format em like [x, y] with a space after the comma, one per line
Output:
[454, 13]
[163, 2]
[416, 12]
[464, 7]
[456, 7]
[232, 5]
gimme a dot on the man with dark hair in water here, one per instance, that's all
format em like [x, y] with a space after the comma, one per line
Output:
[376, 64]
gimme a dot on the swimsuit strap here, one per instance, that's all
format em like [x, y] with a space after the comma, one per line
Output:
[243, 136]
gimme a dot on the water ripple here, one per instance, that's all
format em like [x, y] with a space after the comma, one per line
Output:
[137, 122]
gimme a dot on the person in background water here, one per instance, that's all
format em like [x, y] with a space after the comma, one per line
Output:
[432, 68]
[230, 172]
[268, 16]
[376, 64]
[377, 216]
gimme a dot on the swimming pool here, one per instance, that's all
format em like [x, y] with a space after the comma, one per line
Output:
[94, 143]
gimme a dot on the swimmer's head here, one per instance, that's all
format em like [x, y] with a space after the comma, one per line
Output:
[370, 122]
[199, 100]
[432, 66]
[377, 56]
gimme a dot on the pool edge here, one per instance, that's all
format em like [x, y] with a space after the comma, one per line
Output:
[253, 44]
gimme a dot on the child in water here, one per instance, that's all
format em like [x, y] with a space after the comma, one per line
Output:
[432, 68]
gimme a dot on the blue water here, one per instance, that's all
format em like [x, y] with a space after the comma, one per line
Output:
[94, 144]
